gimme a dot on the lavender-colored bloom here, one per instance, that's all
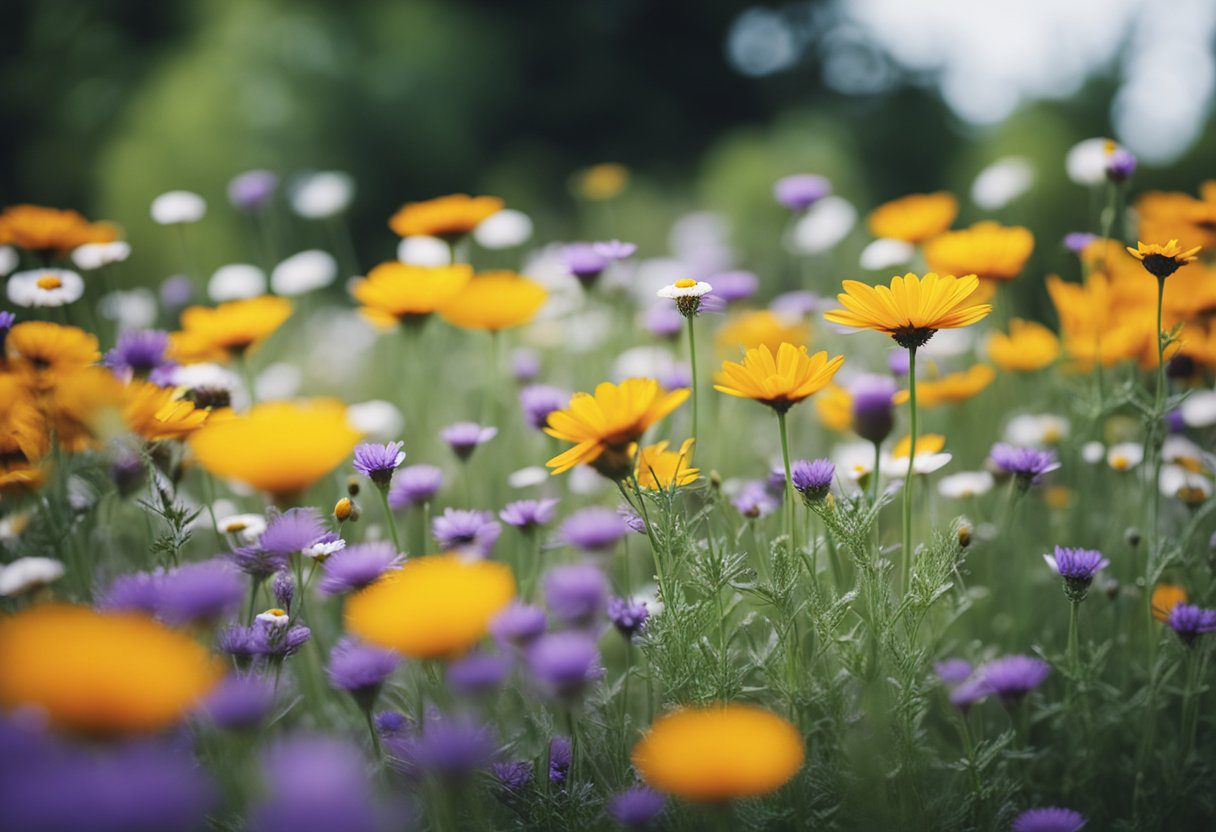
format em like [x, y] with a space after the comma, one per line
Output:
[953, 671]
[138, 353]
[357, 566]
[378, 462]
[675, 376]
[897, 362]
[812, 478]
[528, 514]
[615, 249]
[464, 437]
[796, 304]
[636, 807]
[1028, 465]
[627, 615]
[633, 520]
[1190, 621]
[361, 670]
[1012, 677]
[512, 776]
[250, 190]
[284, 589]
[584, 262]
[292, 531]
[800, 190]
[257, 562]
[7, 319]
[1048, 819]
[525, 365]
[200, 593]
[566, 662]
[415, 485]
[134, 592]
[448, 748]
[664, 320]
[873, 406]
[576, 594]
[594, 529]
[176, 292]
[1077, 567]
[968, 692]
[754, 500]
[390, 723]
[1078, 241]
[561, 754]
[775, 482]
[1120, 164]
[474, 531]
[732, 287]
[241, 702]
[315, 784]
[477, 673]
[518, 624]
[537, 401]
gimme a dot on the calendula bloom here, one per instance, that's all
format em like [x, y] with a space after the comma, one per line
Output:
[719, 753]
[101, 673]
[914, 218]
[988, 250]
[911, 309]
[44, 288]
[928, 457]
[156, 414]
[281, 448]
[446, 217]
[415, 485]
[1028, 346]
[565, 663]
[1012, 677]
[1028, 465]
[1165, 597]
[434, 607]
[779, 381]
[965, 484]
[395, 292]
[355, 567]
[229, 330]
[605, 425]
[1161, 261]
[42, 351]
[1048, 819]
[495, 301]
[378, 462]
[659, 468]
[1077, 567]
[50, 230]
[749, 330]
[464, 437]
[951, 388]
[1190, 622]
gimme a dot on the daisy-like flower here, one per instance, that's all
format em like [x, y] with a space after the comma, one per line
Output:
[928, 458]
[304, 272]
[1029, 346]
[518, 624]
[966, 484]
[1190, 622]
[395, 292]
[951, 388]
[243, 528]
[1036, 429]
[251, 190]
[464, 437]
[528, 514]
[322, 194]
[779, 381]
[661, 469]
[378, 462]
[1124, 456]
[50, 230]
[605, 425]
[584, 262]
[236, 281]
[415, 485]
[494, 301]
[628, 615]
[565, 663]
[755, 500]
[1048, 819]
[1161, 261]
[446, 217]
[356, 567]
[988, 250]
[594, 529]
[750, 329]
[911, 309]
[41, 288]
[687, 294]
[1077, 567]
[138, 353]
[229, 330]
[1183, 484]
[1028, 465]
[28, 574]
[474, 531]
[539, 400]
[156, 414]
[813, 478]
[361, 670]
[1164, 598]
[178, 208]
[914, 218]
[615, 249]
[324, 546]
[44, 352]
[718, 753]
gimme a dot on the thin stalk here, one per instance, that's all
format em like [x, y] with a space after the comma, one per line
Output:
[388, 518]
[1190, 710]
[908, 478]
[875, 473]
[692, 358]
[789, 481]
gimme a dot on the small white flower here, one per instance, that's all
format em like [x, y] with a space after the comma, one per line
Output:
[246, 528]
[376, 419]
[304, 272]
[584, 480]
[1178, 450]
[177, 207]
[949, 343]
[854, 460]
[1086, 162]
[506, 229]
[96, 255]
[884, 253]
[130, 309]
[965, 484]
[1199, 409]
[9, 259]
[1093, 452]
[824, 224]
[320, 551]
[1036, 429]
[1184, 484]
[925, 463]
[323, 194]
[686, 288]
[28, 574]
[12, 526]
[45, 288]
[274, 617]
[527, 477]
[424, 251]
[1002, 182]
[236, 281]
[1125, 456]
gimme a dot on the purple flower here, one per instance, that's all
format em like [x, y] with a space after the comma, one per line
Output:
[636, 807]
[812, 478]
[241, 702]
[1012, 677]
[664, 320]
[512, 776]
[677, 375]
[448, 748]
[315, 784]
[477, 673]
[627, 615]
[1077, 567]
[537, 401]
[176, 291]
[284, 589]
[732, 287]
[1078, 241]
[292, 531]
[576, 594]
[525, 365]
[358, 566]
[796, 304]
[200, 593]
[7, 319]
[594, 529]
[257, 562]
[953, 671]
[561, 754]
[800, 190]
[632, 519]
[474, 531]
[518, 624]
[968, 692]
[464, 437]
[1190, 621]
[528, 514]
[873, 406]
[1120, 164]
[615, 249]
[897, 362]
[389, 723]
[269, 640]
[1048, 819]
[584, 262]
[565, 663]
[414, 486]
[1028, 465]
[361, 670]
[378, 462]
[755, 500]
[138, 353]
[250, 190]
[135, 592]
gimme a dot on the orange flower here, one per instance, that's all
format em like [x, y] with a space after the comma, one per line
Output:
[494, 301]
[912, 308]
[1165, 598]
[835, 408]
[1161, 261]
[1029, 346]
[779, 381]
[156, 414]
[229, 330]
[661, 469]
[988, 250]
[914, 218]
[35, 228]
[447, 217]
[749, 330]
[24, 438]
[44, 352]
[399, 293]
[951, 388]
[601, 182]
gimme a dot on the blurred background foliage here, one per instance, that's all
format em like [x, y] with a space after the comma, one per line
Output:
[108, 103]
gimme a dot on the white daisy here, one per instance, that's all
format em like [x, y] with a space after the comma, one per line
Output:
[424, 251]
[236, 281]
[1186, 485]
[178, 207]
[323, 194]
[1036, 430]
[685, 288]
[376, 419]
[925, 461]
[506, 229]
[965, 484]
[28, 574]
[304, 272]
[9, 259]
[246, 528]
[824, 224]
[1093, 452]
[96, 255]
[1125, 455]
[1199, 409]
[1002, 182]
[130, 309]
[274, 617]
[854, 460]
[45, 287]
[884, 253]
[320, 551]
[528, 477]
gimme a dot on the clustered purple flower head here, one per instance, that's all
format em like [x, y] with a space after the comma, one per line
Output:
[518, 624]
[576, 594]
[897, 362]
[796, 304]
[735, 286]
[378, 462]
[415, 485]
[537, 401]
[1048, 819]
[952, 671]
[1027, 465]
[636, 807]
[615, 249]
[241, 702]
[663, 320]
[284, 588]
[1120, 164]
[292, 531]
[315, 783]
[449, 748]
[250, 190]
[596, 530]
[812, 478]
[800, 191]
[1012, 677]
[528, 514]
[561, 754]
[361, 670]
[635, 521]
[358, 566]
[138, 353]
[1190, 621]
[199, 593]
[512, 776]
[755, 500]
[470, 531]
[565, 662]
[1078, 241]
[133, 592]
[525, 365]
[584, 261]
[1077, 567]
[257, 562]
[464, 437]
[263, 639]
[627, 615]
[873, 406]
[390, 723]
[477, 673]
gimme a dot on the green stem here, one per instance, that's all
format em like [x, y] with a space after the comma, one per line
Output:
[908, 478]
[789, 482]
[692, 357]
[874, 473]
[388, 518]
[1190, 711]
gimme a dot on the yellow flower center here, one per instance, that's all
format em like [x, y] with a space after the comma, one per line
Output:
[49, 281]
[276, 612]
[685, 283]
[1119, 462]
[233, 528]
[1052, 435]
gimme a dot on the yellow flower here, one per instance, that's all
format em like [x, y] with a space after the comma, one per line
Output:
[1161, 261]
[951, 388]
[988, 250]
[835, 408]
[659, 468]
[24, 438]
[605, 426]
[914, 218]
[43, 352]
[399, 293]
[278, 447]
[101, 673]
[1094, 328]
[912, 308]
[36, 228]
[85, 408]
[1165, 598]
[494, 301]
[779, 382]
[1029, 346]
[749, 330]
[447, 217]
[156, 414]
[229, 330]
[601, 182]
[719, 753]
[927, 445]
[434, 607]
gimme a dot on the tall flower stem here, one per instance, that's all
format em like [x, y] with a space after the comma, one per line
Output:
[1190, 710]
[789, 481]
[874, 474]
[388, 518]
[692, 359]
[1074, 651]
[908, 478]
[1157, 429]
